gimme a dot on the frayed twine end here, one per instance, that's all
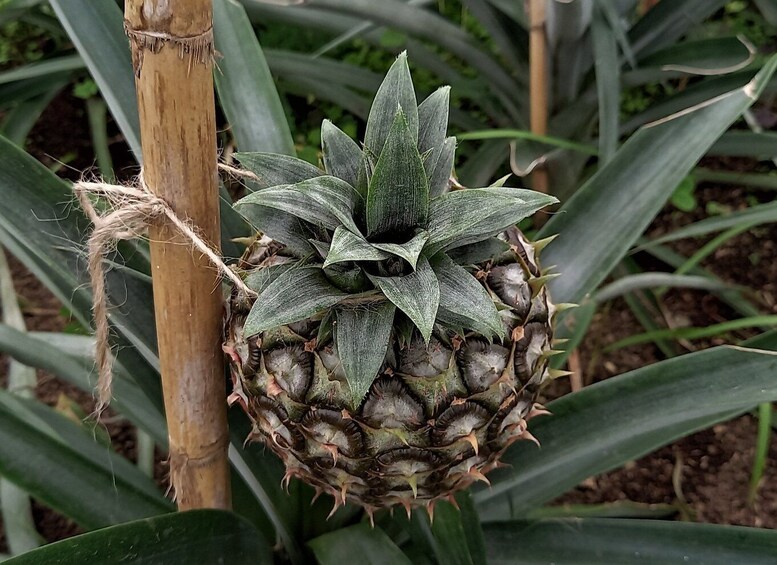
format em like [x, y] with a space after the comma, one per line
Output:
[129, 212]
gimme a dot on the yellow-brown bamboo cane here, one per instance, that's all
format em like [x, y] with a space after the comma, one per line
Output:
[172, 53]
[538, 83]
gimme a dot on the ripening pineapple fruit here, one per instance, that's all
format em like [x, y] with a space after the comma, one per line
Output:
[402, 326]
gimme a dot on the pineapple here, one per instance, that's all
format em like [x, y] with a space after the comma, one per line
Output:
[402, 326]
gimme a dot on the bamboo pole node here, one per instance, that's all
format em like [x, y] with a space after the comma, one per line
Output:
[130, 210]
[183, 464]
[200, 48]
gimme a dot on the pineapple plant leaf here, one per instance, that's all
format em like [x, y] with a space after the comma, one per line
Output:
[362, 336]
[417, 294]
[463, 300]
[294, 295]
[427, 372]
[347, 246]
[398, 192]
[396, 92]
[342, 156]
[273, 169]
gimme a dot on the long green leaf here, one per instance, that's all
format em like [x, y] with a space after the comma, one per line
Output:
[639, 281]
[372, 546]
[44, 352]
[15, 505]
[454, 535]
[605, 51]
[468, 216]
[523, 134]
[694, 333]
[272, 169]
[290, 65]
[609, 423]
[644, 542]
[759, 145]
[416, 294]
[245, 86]
[80, 488]
[197, 536]
[18, 122]
[665, 24]
[295, 295]
[43, 69]
[362, 338]
[96, 30]
[609, 212]
[758, 214]
[398, 193]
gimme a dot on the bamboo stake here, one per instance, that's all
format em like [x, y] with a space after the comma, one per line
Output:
[538, 83]
[172, 48]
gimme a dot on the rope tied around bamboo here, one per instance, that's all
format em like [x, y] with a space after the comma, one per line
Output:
[129, 212]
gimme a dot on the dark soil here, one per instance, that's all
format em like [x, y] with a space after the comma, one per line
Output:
[714, 465]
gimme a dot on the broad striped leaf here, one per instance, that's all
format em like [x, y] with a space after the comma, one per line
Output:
[196, 536]
[468, 216]
[432, 125]
[398, 193]
[362, 336]
[347, 246]
[295, 295]
[573, 541]
[245, 86]
[273, 169]
[323, 200]
[463, 300]
[372, 546]
[416, 294]
[440, 174]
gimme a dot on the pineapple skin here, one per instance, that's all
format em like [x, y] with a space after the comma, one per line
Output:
[437, 417]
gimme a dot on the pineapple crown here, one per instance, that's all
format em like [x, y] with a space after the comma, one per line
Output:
[378, 240]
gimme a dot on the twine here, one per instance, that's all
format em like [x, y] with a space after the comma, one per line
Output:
[199, 48]
[130, 211]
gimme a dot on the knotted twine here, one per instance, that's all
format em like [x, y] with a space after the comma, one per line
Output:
[129, 212]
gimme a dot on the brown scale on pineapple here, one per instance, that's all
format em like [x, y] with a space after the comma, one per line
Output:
[435, 420]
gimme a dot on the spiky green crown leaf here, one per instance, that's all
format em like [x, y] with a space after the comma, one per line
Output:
[380, 225]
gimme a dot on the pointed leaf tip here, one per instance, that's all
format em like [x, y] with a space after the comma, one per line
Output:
[342, 155]
[395, 90]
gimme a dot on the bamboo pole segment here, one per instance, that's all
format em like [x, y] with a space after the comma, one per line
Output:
[538, 83]
[172, 48]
